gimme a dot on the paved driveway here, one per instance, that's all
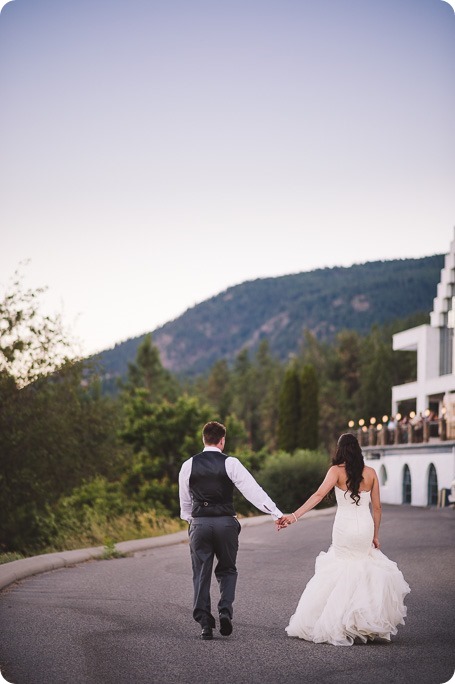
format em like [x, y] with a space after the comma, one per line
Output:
[129, 620]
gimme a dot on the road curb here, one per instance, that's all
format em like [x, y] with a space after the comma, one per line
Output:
[26, 567]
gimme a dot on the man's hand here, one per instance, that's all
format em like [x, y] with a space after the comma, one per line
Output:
[288, 519]
[281, 523]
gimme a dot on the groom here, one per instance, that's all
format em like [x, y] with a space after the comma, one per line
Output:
[206, 486]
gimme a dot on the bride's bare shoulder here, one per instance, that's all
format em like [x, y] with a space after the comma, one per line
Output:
[369, 475]
[337, 469]
[339, 472]
[368, 470]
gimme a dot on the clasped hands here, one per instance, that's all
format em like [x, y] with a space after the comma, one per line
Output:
[284, 521]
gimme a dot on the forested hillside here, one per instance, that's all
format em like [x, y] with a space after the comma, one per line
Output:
[281, 309]
[84, 467]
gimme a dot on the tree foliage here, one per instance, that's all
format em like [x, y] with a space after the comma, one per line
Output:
[55, 427]
[289, 410]
[31, 344]
[54, 434]
[309, 408]
[147, 372]
[162, 436]
[72, 456]
[291, 478]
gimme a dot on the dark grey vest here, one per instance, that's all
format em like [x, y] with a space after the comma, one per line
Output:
[210, 488]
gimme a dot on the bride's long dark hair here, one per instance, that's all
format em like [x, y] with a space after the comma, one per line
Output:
[350, 454]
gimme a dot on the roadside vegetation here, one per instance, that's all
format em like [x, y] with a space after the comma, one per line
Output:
[79, 467]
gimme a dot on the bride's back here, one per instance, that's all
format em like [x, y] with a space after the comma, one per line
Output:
[368, 475]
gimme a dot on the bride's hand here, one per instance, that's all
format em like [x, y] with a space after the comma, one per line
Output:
[376, 543]
[287, 520]
[281, 523]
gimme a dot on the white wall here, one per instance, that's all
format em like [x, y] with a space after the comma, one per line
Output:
[418, 462]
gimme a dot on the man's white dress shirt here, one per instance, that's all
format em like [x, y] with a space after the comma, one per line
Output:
[242, 479]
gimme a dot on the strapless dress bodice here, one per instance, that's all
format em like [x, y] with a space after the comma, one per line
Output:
[344, 499]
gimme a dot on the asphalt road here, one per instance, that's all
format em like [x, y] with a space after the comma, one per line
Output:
[129, 620]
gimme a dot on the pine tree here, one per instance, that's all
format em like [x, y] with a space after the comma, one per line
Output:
[269, 376]
[309, 408]
[147, 372]
[289, 411]
[218, 389]
[375, 391]
[243, 401]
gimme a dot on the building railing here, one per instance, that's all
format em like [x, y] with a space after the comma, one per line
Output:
[401, 433]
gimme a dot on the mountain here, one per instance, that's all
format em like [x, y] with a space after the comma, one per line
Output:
[280, 309]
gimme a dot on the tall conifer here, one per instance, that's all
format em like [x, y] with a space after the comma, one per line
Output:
[289, 415]
[309, 408]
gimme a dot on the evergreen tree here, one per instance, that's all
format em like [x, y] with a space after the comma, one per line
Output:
[162, 435]
[289, 410]
[148, 373]
[269, 376]
[218, 390]
[243, 399]
[333, 362]
[309, 407]
[54, 433]
[375, 391]
[55, 428]
[348, 347]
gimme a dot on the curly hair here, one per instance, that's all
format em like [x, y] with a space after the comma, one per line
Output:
[350, 454]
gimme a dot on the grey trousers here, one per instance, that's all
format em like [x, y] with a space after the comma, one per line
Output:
[209, 538]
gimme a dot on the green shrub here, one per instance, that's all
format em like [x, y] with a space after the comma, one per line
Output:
[110, 551]
[289, 479]
[100, 510]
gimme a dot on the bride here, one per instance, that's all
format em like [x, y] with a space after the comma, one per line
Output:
[356, 591]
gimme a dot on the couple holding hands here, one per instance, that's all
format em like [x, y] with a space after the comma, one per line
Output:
[356, 593]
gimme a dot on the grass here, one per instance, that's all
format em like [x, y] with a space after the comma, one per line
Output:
[102, 532]
[10, 557]
[97, 530]
[110, 551]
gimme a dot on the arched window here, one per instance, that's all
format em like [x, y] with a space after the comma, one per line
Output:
[432, 486]
[383, 475]
[407, 489]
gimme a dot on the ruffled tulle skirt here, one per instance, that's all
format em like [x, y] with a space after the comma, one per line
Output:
[359, 596]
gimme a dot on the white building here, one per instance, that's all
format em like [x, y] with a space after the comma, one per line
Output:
[416, 473]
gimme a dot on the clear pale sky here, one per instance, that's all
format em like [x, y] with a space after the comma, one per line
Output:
[155, 152]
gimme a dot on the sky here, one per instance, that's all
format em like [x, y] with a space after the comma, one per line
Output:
[155, 152]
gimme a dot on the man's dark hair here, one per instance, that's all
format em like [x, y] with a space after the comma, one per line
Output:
[213, 432]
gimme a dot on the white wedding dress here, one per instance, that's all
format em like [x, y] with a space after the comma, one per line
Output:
[356, 590]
